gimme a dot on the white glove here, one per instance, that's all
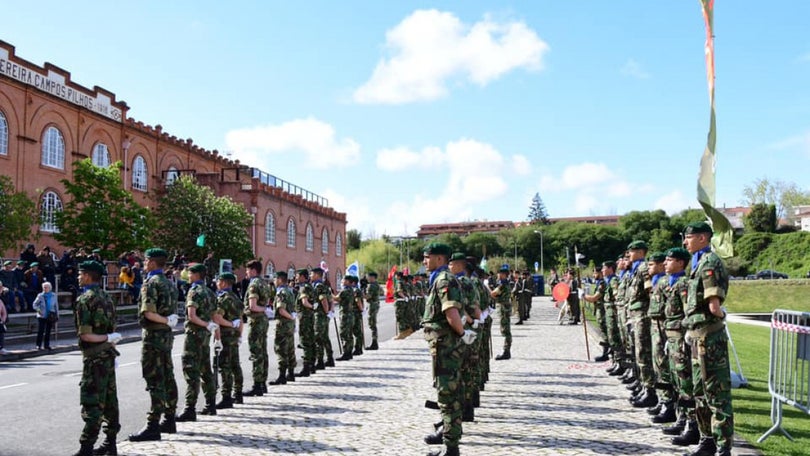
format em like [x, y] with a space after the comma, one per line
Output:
[172, 320]
[114, 338]
[271, 314]
[484, 315]
[236, 323]
[331, 315]
[294, 315]
[581, 294]
[241, 339]
[475, 324]
[217, 344]
[491, 311]
[468, 337]
[315, 305]
[212, 327]
[365, 312]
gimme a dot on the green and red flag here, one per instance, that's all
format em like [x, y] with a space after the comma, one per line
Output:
[706, 187]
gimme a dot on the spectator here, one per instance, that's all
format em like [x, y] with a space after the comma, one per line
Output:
[32, 281]
[19, 282]
[68, 259]
[47, 264]
[3, 318]
[70, 282]
[9, 279]
[137, 281]
[28, 255]
[125, 280]
[47, 315]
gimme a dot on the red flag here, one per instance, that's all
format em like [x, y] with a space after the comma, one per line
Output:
[389, 285]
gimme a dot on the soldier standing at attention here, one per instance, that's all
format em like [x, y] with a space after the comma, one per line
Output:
[613, 337]
[258, 299]
[501, 295]
[228, 317]
[470, 319]
[598, 301]
[517, 293]
[158, 316]
[357, 319]
[664, 412]
[284, 343]
[95, 324]
[323, 296]
[372, 295]
[705, 331]
[201, 303]
[305, 306]
[638, 303]
[401, 303]
[346, 301]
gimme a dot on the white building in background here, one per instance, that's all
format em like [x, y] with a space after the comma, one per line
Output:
[802, 217]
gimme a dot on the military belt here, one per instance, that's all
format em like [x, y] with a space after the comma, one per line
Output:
[674, 333]
[258, 315]
[701, 333]
[94, 349]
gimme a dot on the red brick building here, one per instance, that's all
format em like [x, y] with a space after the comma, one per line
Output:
[47, 122]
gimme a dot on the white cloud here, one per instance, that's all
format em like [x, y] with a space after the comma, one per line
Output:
[429, 48]
[634, 69]
[800, 142]
[673, 202]
[315, 139]
[402, 158]
[521, 165]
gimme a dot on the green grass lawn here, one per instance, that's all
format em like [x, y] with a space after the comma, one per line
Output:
[766, 295]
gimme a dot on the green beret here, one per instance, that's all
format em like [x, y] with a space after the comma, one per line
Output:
[438, 248]
[199, 268]
[303, 271]
[657, 257]
[350, 278]
[679, 253]
[228, 277]
[317, 270]
[372, 274]
[609, 264]
[34, 264]
[281, 275]
[96, 251]
[504, 270]
[458, 256]
[156, 252]
[22, 262]
[638, 245]
[93, 266]
[697, 228]
[7, 262]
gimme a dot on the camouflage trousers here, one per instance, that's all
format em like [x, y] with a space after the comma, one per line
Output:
[284, 344]
[521, 307]
[257, 344]
[373, 311]
[402, 314]
[357, 329]
[158, 371]
[98, 396]
[505, 313]
[680, 365]
[614, 337]
[625, 352]
[601, 319]
[711, 376]
[420, 310]
[447, 353]
[229, 366]
[196, 361]
[346, 326]
[484, 351]
[306, 335]
[322, 342]
[643, 347]
[663, 376]
[470, 370]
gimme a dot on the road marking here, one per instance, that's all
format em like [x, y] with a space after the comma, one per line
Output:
[128, 364]
[12, 386]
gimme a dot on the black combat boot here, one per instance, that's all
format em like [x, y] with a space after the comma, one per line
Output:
[505, 355]
[468, 412]
[281, 380]
[210, 406]
[304, 371]
[634, 386]
[330, 360]
[605, 354]
[689, 436]
[437, 438]
[647, 399]
[85, 449]
[291, 374]
[239, 399]
[629, 379]
[255, 391]
[667, 414]
[447, 451]
[320, 365]
[519, 322]
[655, 410]
[108, 447]
[150, 432]
[345, 357]
[168, 425]
[617, 370]
[312, 368]
[189, 414]
[358, 350]
[225, 403]
[373, 346]
[725, 450]
[476, 398]
[706, 447]
[677, 426]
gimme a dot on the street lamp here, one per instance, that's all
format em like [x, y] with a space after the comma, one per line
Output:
[542, 270]
[516, 253]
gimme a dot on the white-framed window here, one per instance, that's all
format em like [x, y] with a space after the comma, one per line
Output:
[171, 175]
[325, 241]
[270, 270]
[290, 271]
[310, 238]
[51, 204]
[101, 155]
[139, 174]
[53, 148]
[338, 245]
[3, 134]
[291, 232]
[270, 228]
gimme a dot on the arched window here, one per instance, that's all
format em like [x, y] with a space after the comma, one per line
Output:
[53, 148]
[51, 204]
[338, 245]
[171, 175]
[325, 241]
[139, 174]
[310, 238]
[291, 233]
[270, 228]
[3, 134]
[270, 270]
[290, 271]
[101, 155]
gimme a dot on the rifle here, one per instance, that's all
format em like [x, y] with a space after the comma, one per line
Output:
[337, 332]
[216, 366]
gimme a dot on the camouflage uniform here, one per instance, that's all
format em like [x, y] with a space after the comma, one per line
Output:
[98, 395]
[322, 342]
[420, 290]
[626, 352]
[486, 330]
[346, 302]
[505, 311]
[710, 362]
[678, 351]
[229, 307]
[658, 338]
[357, 321]
[306, 324]
[447, 351]
[159, 296]
[284, 342]
[373, 292]
[638, 303]
[614, 338]
[264, 293]
[600, 291]
[469, 368]
[401, 304]
[196, 352]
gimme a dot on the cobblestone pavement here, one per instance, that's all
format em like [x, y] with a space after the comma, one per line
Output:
[546, 400]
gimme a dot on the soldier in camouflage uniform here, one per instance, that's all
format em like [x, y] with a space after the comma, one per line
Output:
[411, 318]
[664, 411]
[638, 303]
[420, 286]
[470, 319]
[228, 316]
[501, 295]
[305, 306]
[284, 342]
[158, 316]
[401, 302]
[627, 370]
[346, 302]
[98, 395]
[706, 333]
[446, 336]
[357, 318]
[485, 321]
[323, 297]
[611, 314]
[258, 307]
[597, 298]
[372, 295]
[200, 306]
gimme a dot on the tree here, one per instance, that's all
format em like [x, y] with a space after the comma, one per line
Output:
[537, 211]
[784, 195]
[477, 244]
[188, 210]
[99, 213]
[761, 219]
[17, 211]
[353, 239]
[642, 224]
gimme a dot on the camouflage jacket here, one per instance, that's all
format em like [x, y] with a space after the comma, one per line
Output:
[204, 301]
[638, 288]
[656, 310]
[263, 291]
[675, 296]
[229, 307]
[157, 295]
[305, 290]
[708, 279]
[95, 314]
[444, 294]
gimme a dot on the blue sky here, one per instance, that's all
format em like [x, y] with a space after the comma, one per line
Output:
[404, 113]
